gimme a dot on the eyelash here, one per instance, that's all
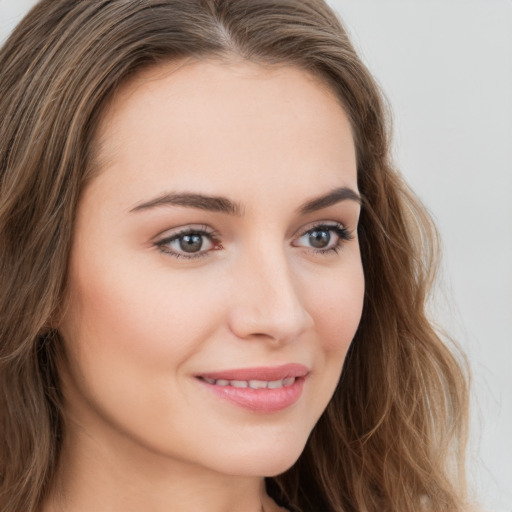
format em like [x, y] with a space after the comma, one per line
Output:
[202, 231]
[343, 234]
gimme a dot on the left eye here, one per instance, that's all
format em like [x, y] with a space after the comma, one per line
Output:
[323, 238]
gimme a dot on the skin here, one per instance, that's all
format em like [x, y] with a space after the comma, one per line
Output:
[143, 433]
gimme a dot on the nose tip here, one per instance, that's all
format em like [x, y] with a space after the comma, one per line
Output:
[268, 306]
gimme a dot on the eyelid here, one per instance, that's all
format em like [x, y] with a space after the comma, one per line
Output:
[328, 224]
[181, 230]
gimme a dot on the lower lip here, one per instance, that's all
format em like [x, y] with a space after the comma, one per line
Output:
[260, 400]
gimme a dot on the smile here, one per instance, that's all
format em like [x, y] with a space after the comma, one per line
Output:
[261, 390]
[253, 384]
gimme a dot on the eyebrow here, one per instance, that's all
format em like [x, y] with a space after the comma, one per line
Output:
[331, 198]
[190, 200]
[223, 205]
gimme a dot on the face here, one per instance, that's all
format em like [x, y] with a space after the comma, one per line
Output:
[215, 280]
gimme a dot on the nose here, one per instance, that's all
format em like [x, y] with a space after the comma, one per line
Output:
[267, 301]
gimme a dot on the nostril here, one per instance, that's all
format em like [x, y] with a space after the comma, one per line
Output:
[272, 327]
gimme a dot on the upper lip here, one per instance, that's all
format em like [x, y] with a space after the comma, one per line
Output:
[269, 373]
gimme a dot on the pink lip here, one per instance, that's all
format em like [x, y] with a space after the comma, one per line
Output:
[264, 400]
[260, 373]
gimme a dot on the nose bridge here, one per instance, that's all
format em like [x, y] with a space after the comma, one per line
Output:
[268, 301]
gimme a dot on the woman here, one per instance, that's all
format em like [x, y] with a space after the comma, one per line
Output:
[213, 282]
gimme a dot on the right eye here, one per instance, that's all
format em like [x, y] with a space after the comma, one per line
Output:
[189, 243]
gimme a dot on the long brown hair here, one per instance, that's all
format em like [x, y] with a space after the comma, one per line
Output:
[393, 436]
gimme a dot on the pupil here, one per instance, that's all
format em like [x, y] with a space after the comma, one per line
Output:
[320, 239]
[191, 243]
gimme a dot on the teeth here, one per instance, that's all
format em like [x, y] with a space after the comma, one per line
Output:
[253, 384]
[289, 381]
[258, 384]
[239, 383]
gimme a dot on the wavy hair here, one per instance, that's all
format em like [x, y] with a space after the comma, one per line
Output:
[393, 436]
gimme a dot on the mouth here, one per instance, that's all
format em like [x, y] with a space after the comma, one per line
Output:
[253, 384]
[262, 389]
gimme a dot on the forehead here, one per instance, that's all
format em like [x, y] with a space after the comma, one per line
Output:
[188, 120]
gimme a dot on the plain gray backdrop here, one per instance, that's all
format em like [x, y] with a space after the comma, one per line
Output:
[446, 67]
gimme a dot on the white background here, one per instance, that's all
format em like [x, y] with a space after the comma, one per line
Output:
[446, 67]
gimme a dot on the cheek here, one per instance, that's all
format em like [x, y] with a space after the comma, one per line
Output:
[336, 307]
[128, 337]
[129, 322]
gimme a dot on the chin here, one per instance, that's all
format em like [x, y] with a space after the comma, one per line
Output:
[269, 461]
